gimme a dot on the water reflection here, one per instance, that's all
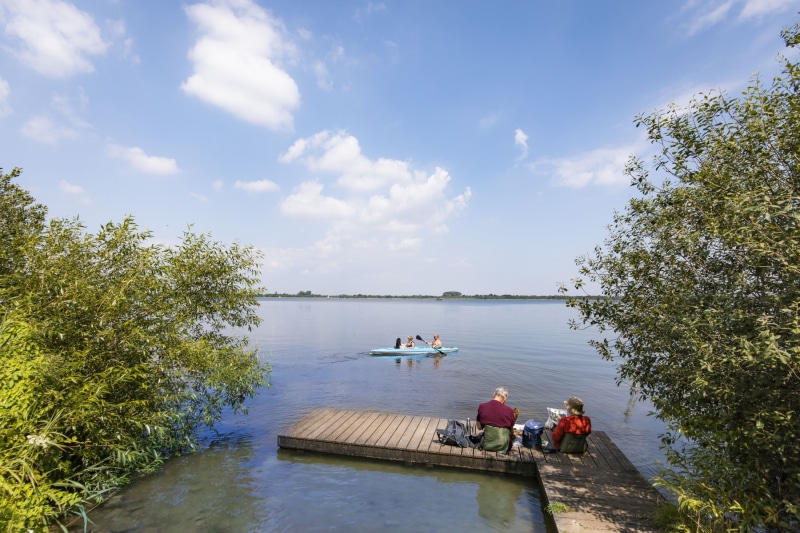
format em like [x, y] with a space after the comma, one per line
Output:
[388, 494]
[191, 493]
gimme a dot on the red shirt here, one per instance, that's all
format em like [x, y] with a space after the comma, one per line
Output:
[580, 425]
[494, 413]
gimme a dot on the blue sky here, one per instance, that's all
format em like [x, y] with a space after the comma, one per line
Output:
[384, 147]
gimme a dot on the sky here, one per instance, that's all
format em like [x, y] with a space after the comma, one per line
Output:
[394, 147]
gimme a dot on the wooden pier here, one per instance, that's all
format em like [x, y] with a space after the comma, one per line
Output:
[601, 489]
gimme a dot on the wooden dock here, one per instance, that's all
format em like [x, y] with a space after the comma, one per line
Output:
[601, 488]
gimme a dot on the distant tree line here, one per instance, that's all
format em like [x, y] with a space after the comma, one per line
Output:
[445, 296]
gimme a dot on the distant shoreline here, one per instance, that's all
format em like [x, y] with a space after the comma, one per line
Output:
[305, 294]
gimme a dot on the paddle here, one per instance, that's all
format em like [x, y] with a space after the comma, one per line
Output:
[429, 344]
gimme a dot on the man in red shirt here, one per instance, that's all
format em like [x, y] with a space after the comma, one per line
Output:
[496, 414]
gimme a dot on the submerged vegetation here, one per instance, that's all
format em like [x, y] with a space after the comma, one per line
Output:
[702, 278]
[113, 352]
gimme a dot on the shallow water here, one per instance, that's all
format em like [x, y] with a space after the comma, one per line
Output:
[241, 481]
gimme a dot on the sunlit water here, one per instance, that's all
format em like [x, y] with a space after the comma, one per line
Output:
[241, 481]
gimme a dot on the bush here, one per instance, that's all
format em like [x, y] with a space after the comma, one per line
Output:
[113, 351]
[702, 279]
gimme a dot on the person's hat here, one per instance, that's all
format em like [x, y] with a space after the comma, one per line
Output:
[574, 404]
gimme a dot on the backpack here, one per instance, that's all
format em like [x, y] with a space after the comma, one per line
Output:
[455, 434]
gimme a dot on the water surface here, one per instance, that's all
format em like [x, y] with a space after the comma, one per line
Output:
[241, 481]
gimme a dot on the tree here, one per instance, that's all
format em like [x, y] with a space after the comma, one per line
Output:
[113, 351]
[20, 219]
[702, 279]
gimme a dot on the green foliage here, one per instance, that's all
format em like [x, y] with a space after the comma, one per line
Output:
[451, 294]
[112, 352]
[702, 278]
[558, 507]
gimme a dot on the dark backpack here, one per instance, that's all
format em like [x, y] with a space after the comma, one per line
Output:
[455, 434]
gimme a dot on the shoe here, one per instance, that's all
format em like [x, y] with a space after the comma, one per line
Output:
[548, 449]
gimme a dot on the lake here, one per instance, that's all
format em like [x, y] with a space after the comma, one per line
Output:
[240, 481]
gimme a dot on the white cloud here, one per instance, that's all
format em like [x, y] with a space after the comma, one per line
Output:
[710, 17]
[218, 185]
[603, 167]
[708, 13]
[758, 8]
[142, 162]
[322, 75]
[54, 37]
[307, 201]
[117, 29]
[521, 140]
[69, 188]
[237, 63]
[257, 186]
[42, 129]
[70, 108]
[199, 197]
[5, 92]
[380, 206]
[340, 153]
[74, 191]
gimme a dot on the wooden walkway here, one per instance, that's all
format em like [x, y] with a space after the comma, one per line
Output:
[602, 489]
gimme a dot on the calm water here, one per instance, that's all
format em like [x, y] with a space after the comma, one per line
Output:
[241, 481]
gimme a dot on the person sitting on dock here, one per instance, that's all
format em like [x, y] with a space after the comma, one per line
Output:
[497, 421]
[569, 436]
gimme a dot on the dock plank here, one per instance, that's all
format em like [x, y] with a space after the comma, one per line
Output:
[602, 487]
[360, 426]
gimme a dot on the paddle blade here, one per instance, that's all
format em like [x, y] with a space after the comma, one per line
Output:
[420, 338]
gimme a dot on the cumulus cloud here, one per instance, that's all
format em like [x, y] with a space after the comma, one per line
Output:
[374, 204]
[237, 63]
[521, 140]
[53, 37]
[40, 128]
[340, 153]
[257, 186]
[142, 162]
[5, 92]
[307, 201]
[600, 167]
